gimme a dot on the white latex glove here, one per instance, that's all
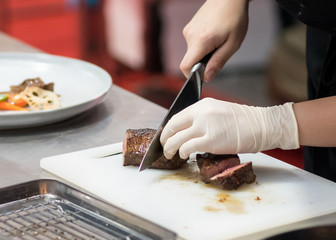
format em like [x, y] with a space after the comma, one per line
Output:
[221, 127]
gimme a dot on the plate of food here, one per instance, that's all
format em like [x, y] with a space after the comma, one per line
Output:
[38, 89]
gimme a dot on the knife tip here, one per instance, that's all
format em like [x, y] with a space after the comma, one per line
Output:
[141, 167]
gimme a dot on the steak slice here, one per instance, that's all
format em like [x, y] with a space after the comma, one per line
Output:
[212, 164]
[32, 82]
[135, 145]
[234, 177]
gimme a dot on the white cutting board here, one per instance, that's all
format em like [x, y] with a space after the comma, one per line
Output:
[181, 202]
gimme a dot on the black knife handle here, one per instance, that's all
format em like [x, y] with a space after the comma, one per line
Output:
[200, 66]
[207, 57]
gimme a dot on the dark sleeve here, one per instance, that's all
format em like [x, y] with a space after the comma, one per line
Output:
[315, 13]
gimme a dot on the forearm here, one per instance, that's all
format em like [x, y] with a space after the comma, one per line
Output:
[317, 122]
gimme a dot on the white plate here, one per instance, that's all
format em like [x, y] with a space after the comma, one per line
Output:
[82, 85]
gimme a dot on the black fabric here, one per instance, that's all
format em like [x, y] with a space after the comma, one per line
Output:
[320, 18]
[321, 65]
[316, 13]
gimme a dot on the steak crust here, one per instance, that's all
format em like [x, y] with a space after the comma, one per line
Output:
[135, 145]
[224, 171]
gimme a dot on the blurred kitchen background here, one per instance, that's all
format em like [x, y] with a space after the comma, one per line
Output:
[140, 43]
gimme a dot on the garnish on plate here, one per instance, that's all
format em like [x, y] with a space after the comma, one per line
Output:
[31, 94]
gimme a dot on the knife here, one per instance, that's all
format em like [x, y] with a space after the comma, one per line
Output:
[188, 95]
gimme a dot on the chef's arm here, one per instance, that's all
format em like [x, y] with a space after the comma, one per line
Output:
[221, 127]
[220, 25]
[317, 122]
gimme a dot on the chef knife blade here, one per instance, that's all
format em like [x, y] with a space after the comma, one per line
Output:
[188, 95]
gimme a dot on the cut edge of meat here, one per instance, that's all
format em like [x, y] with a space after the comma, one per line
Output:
[234, 177]
[224, 171]
[211, 164]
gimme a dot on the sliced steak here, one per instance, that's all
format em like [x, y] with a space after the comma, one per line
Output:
[211, 164]
[135, 145]
[234, 177]
[32, 82]
[224, 171]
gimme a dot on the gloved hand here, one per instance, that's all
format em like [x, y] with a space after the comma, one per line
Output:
[221, 127]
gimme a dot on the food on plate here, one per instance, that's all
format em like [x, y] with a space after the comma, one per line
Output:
[135, 145]
[224, 171]
[31, 82]
[12, 102]
[4, 105]
[40, 99]
[3, 97]
[31, 94]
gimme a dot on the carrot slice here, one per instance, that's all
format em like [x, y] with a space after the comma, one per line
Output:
[17, 100]
[11, 107]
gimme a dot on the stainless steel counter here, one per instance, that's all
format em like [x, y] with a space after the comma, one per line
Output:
[22, 149]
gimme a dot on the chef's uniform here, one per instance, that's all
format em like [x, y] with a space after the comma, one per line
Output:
[320, 18]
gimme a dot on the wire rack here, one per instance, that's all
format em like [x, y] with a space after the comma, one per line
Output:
[48, 218]
[48, 209]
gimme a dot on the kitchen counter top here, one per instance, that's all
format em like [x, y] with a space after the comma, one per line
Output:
[22, 149]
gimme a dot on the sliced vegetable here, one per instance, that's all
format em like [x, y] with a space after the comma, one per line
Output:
[8, 106]
[31, 94]
[40, 99]
[17, 100]
[3, 97]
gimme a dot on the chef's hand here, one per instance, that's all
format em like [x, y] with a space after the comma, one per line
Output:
[219, 24]
[221, 127]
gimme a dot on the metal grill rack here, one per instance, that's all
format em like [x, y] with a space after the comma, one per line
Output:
[50, 216]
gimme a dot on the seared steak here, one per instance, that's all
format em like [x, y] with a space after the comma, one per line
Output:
[234, 177]
[224, 171]
[211, 164]
[135, 145]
